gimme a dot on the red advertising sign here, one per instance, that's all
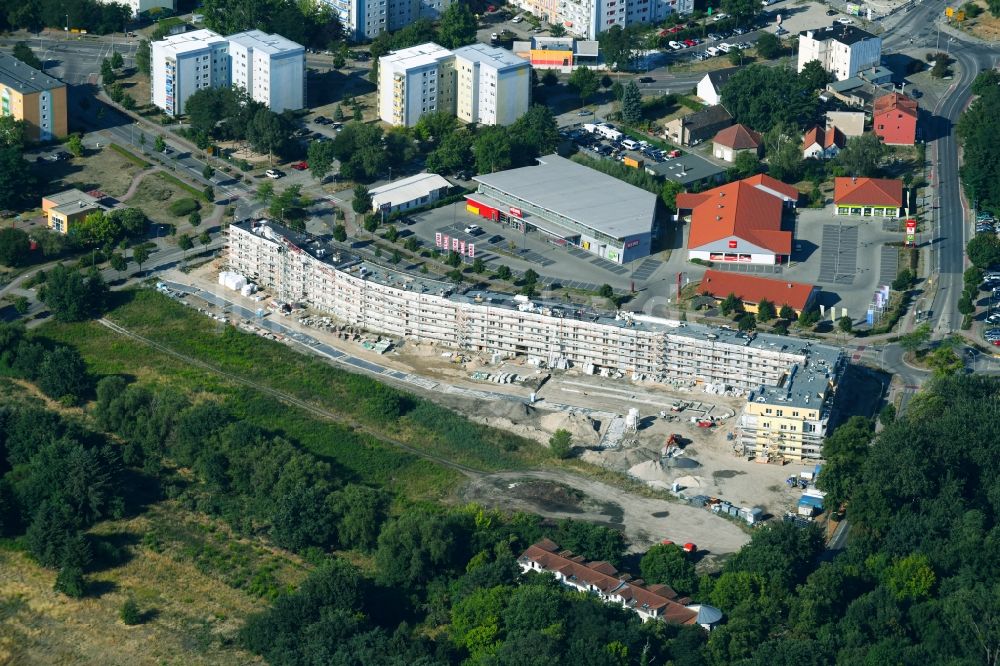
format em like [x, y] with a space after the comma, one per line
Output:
[461, 248]
[911, 226]
[516, 212]
[437, 239]
[732, 244]
[472, 250]
[444, 242]
[454, 244]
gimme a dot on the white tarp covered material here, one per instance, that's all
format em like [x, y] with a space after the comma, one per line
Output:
[231, 280]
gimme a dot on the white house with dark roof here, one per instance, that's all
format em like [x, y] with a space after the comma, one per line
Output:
[843, 50]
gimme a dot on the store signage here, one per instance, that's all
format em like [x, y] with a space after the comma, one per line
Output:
[632, 243]
[516, 212]
[732, 244]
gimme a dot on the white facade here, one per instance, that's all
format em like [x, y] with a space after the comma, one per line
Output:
[407, 193]
[588, 18]
[365, 19]
[478, 83]
[707, 91]
[139, 6]
[842, 50]
[415, 81]
[270, 68]
[184, 63]
[493, 86]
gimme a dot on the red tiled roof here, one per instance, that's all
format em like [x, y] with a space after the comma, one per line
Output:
[895, 102]
[824, 137]
[605, 578]
[763, 181]
[740, 209]
[738, 137]
[751, 289]
[868, 191]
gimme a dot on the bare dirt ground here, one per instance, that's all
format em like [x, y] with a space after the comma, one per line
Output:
[585, 405]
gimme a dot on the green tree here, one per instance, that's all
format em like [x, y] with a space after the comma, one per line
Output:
[70, 582]
[917, 338]
[742, 10]
[503, 272]
[21, 305]
[159, 143]
[15, 247]
[204, 238]
[320, 157]
[129, 612]
[911, 577]
[118, 262]
[669, 193]
[63, 375]
[765, 311]
[207, 172]
[768, 46]
[416, 547]
[887, 415]
[730, 304]
[746, 164]
[361, 203]
[782, 146]
[265, 192]
[862, 155]
[984, 250]
[339, 233]
[668, 564]
[904, 280]
[585, 82]
[605, 291]
[457, 26]
[108, 75]
[139, 255]
[71, 296]
[185, 243]
[944, 361]
[845, 324]
[557, 31]
[24, 53]
[74, 144]
[194, 219]
[814, 76]
[787, 313]
[492, 149]
[117, 61]
[17, 182]
[845, 450]
[143, 57]
[631, 104]
[746, 322]
[478, 266]
[561, 443]
[360, 513]
[11, 132]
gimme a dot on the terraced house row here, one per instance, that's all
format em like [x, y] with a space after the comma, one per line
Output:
[297, 268]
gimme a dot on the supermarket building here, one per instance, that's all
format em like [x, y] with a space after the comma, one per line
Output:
[573, 205]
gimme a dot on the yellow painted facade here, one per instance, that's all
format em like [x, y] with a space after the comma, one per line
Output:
[784, 431]
[31, 107]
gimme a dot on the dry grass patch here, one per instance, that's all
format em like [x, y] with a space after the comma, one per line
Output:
[104, 169]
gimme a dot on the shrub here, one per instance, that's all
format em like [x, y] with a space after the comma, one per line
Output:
[183, 207]
[129, 612]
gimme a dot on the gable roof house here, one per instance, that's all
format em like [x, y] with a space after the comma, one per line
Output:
[751, 290]
[868, 197]
[709, 88]
[894, 118]
[740, 221]
[822, 143]
[694, 128]
[732, 141]
[650, 602]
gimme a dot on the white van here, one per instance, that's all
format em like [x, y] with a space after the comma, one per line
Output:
[630, 144]
[724, 47]
[712, 51]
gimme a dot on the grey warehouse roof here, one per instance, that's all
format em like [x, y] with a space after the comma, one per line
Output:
[582, 194]
[685, 169]
[24, 79]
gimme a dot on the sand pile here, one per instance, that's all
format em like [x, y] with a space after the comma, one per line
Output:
[650, 472]
[688, 481]
[505, 409]
[583, 428]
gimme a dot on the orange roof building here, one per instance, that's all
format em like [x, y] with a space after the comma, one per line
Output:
[894, 118]
[732, 141]
[868, 197]
[822, 143]
[751, 289]
[740, 221]
[650, 602]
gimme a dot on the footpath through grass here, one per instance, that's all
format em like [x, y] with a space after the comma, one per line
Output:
[416, 422]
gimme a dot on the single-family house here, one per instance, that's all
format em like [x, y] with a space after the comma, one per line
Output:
[709, 88]
[868, 197]
[894, 118]
[751, 290]
[696, 127]
[65, 209]
[732, 141]
[822, 143]
[740, 221]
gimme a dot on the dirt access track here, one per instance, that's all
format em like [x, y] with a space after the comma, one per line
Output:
[644, 521]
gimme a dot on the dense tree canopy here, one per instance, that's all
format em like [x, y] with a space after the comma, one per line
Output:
[978, 128]
[762, 97]
[312, 24]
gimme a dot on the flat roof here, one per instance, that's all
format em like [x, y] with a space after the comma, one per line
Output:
[408, 189]
[23, 78]
[586, 196]
[73, 201]
[265, 43]
[686, 169]
[490, 55]
[190, 41]
[428, 53]
[845, 34]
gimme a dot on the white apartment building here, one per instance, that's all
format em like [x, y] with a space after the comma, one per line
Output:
[415, 81]
[493, 86]
[589, 18]
[478, 83]
[139, 6]
[271, 68]
[843, 50]
[365, 19]
[184, 63]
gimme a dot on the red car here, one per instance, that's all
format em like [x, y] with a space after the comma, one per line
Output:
[676, 28]
[674, 153]
[690, 42]
[300, 166]
[690, 547]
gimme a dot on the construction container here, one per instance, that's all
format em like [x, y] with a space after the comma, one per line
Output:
[632, 162]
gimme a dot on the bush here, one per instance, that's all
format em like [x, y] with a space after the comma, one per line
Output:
[70, 582]
[183, 207]
[129, 612]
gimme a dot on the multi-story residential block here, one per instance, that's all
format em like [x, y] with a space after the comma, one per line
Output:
[185, 63]
[36, 98]
[478, 83]
[492, 85]
[140, 6]
[782, 371]
[365, 19]
[415, 81]
[843, 50]
[271, 68]
[589, 18]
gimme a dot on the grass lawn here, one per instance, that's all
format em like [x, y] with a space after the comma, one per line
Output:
[102, 169]
[357, 454]
[154, 196]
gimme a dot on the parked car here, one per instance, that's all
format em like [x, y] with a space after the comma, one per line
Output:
[714, 36]
[711, 51]
[994, 318]
[725, 47]
[273, 174]
[674, 153]
[646, 79]
[720, 16]
[473, 229]
[674, 45]
[690, 42]
[517, 19]
[843, 20]
[831, 12]
[300, 166]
